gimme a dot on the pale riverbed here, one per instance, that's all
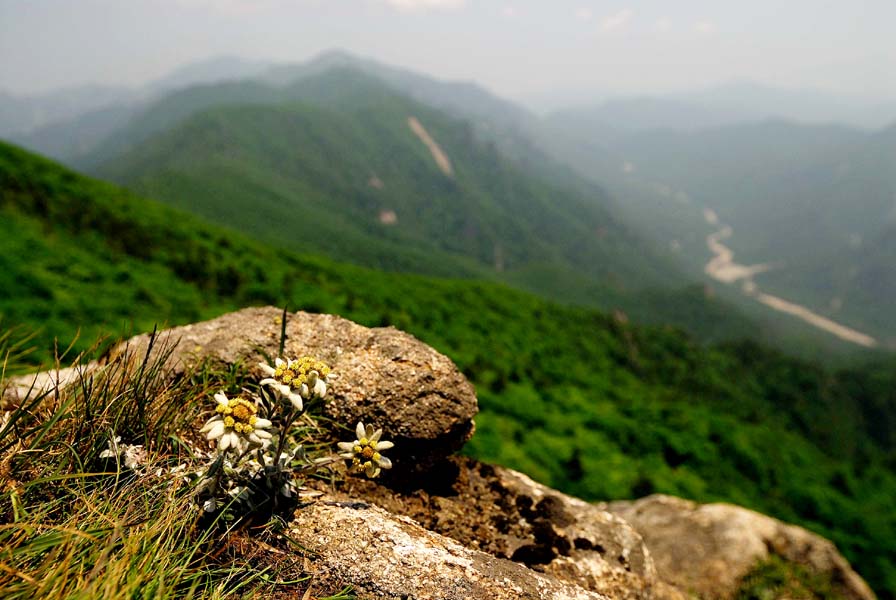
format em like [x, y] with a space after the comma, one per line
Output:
[723, 268]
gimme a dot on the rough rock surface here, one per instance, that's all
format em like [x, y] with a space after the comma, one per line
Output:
[506, 514]
[706, 549]
[384, 376]
[391, 557]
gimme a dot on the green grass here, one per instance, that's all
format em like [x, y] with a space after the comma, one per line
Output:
[581, 400]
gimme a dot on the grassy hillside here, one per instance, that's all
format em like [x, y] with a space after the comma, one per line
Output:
[578, 399]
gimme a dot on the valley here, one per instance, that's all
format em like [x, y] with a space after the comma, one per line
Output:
[723, 268]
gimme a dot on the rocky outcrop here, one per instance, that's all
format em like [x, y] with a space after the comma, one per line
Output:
[507, 515]
[706, 549]
[443, 526]
[385, 376]
[390, 557]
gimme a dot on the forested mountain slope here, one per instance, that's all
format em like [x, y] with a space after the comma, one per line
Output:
[390, 183]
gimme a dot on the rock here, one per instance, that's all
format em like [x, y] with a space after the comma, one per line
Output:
[706, 549]
[383, 376]
[506, 514]
[16, 390]
[388, 557]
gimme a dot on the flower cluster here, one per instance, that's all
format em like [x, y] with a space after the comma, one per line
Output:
[295, 380]
[364, 452]
[251, 463]
[254, 455]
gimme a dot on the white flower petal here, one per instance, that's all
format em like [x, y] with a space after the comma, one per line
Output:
[221, 399]
[266, 368]
[304, 391]
[210, 423]
[360, 431]
[108, 454]
[280, 362]
[320, 388]
[296, 401]
[224, 442]
[347, 446]
[210, 505]
[262, 423]
[216, 431]
[384, 462]
[261, 433]
[375, 436]
[268, 381]
[346, 455]
[384, 445]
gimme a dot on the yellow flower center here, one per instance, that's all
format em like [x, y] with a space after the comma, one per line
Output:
[242, 412]
[239, 415]
[368, 452]
[296, 372]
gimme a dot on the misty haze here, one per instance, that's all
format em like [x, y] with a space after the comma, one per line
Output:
[651, 248]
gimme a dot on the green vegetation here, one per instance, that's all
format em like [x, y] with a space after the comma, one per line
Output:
[578, 399]
[317, 176]
[327, 164]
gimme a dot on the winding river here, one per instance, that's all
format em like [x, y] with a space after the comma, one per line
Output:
[723, 268]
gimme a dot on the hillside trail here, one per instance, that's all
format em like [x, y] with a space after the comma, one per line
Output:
[722, 267]
[438, 155]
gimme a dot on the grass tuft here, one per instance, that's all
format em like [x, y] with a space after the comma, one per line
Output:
[74, 524]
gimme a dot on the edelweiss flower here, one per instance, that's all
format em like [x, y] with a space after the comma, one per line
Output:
[296, 380]
[236, 426]
[364, 452]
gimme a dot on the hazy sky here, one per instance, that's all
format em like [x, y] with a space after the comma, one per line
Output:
[519, 48]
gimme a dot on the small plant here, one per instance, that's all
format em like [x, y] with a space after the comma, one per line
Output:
[97, 480]
[258, 454]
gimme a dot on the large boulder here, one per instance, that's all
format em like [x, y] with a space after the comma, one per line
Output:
[707, 549]
[381, 376]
